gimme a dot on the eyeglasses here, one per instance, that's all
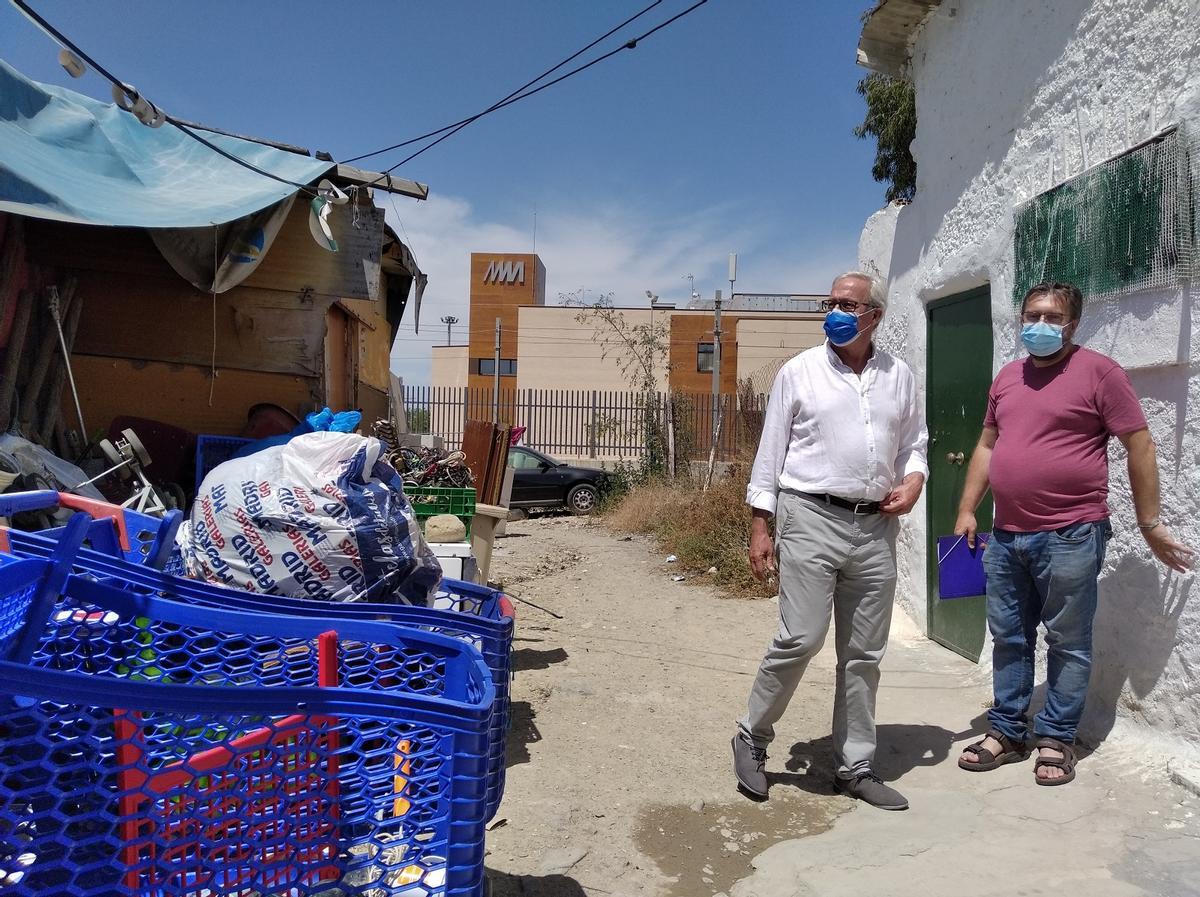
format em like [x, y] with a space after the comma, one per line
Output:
[847, 305]
[1050, 317]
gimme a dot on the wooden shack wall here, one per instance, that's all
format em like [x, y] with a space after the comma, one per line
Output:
[146, 338]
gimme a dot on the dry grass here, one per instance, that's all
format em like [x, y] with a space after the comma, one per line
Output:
[703, 529]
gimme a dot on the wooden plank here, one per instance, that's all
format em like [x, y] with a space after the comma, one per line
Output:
[373, 403]
[382, 181]
[13, 355]
[178, 394]
[168, 320]
[337, 382]
[125, 250]
[476, 445]
[374, 350]
[295, 263]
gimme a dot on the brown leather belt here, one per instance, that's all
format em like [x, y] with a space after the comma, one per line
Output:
[860, 506]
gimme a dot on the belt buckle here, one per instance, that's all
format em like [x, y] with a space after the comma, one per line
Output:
[861, 503]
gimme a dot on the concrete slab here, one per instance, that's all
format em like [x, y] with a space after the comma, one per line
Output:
[1121, 829]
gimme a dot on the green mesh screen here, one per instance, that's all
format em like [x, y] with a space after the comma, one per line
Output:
[1125, 225]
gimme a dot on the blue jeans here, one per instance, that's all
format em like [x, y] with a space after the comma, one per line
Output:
[1049, 578]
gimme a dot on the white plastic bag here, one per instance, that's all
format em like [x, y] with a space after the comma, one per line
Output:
[320, 517]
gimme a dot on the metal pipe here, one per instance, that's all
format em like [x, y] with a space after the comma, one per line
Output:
[62, 341]
[496, 377]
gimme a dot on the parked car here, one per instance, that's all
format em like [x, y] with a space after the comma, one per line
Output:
[541, 482]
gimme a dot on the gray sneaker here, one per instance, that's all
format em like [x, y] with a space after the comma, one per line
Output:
[748, 763]
[869, 788]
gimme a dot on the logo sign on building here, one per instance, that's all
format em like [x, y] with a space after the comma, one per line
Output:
[505, 272]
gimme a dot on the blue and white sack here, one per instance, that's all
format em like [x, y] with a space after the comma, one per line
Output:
[321, 517]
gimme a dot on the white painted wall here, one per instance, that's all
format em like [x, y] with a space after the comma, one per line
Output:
[1011, 96]
[448, 367]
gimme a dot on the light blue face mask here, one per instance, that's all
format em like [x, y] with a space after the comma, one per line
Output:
[1042, 339]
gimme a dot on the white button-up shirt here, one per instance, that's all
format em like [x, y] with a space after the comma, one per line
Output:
[830, 430]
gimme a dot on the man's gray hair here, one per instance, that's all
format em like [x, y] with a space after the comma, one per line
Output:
[876, 290]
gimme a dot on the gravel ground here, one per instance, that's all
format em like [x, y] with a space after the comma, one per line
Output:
[627, 687]
[623, 707]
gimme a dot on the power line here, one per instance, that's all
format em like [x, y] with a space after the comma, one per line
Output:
[466, 121]
[445, 132]
[628, 45]
[42, 23]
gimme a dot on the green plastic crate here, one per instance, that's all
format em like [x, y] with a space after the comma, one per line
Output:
[429, 501]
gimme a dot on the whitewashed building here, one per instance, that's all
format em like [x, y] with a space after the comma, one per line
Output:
[1055, 140]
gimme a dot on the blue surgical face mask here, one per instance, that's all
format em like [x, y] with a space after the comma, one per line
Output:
[1042, 339]
[842, 327]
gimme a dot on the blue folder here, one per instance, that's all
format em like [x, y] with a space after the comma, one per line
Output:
[960, 568]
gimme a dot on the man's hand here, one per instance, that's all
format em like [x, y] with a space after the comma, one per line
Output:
[1174, 554]
[762, 547]
[901, 499]
[966, 525]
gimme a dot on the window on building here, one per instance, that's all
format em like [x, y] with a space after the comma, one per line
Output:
[486, 367]
[704, 358]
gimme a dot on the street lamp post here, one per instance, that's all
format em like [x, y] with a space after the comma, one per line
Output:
[449, 321]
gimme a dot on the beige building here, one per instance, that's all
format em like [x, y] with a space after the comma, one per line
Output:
[566, 348]
[449, 366]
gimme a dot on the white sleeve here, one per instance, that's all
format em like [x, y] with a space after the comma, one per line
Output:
[763, 489]
[914, 438]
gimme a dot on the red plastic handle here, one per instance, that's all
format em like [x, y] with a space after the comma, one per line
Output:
[99, 510]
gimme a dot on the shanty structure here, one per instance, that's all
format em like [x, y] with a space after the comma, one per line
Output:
[191, 282]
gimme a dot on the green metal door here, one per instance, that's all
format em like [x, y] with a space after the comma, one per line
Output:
[959, 374]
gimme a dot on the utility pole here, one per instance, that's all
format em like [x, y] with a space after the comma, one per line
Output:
[716, 384]
[716, 361]
[449, 321]
[496, 378]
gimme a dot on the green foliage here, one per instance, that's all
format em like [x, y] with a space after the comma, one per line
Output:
[892, 120]
[704, 529]
[623, 478]
[640, 351]
[418, 420]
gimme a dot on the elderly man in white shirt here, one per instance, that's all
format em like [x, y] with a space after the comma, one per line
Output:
[842, 456]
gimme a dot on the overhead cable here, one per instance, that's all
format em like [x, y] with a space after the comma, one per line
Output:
[496, 105]
[65, 41]
[628, 45]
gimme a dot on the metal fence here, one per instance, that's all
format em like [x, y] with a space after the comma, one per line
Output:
[594, 423]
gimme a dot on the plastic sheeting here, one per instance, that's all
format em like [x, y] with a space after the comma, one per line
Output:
[68, 157]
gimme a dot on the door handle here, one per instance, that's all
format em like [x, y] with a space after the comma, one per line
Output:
[955, 457]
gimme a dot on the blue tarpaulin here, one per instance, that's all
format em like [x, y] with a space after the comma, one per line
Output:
[67, 157]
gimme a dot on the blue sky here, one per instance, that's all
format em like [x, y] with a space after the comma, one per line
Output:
[728, 130]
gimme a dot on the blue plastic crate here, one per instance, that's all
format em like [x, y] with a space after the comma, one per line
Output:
[114, 530]
[214, 450]
[473, 613]
[159, 748]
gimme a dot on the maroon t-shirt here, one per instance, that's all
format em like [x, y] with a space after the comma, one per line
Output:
[1049, 468]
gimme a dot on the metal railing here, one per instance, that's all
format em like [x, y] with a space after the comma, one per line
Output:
[595, 423]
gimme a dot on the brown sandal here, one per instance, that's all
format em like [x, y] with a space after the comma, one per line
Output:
[1066, 764]
[1011, 752]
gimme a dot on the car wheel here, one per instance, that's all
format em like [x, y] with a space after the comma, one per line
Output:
[582, 499]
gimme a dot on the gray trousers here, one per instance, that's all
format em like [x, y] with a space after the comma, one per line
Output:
[832, 565]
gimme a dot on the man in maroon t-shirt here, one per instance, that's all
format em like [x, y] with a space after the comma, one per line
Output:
[1044, 452]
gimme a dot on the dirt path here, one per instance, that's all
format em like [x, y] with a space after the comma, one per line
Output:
[618, 779]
